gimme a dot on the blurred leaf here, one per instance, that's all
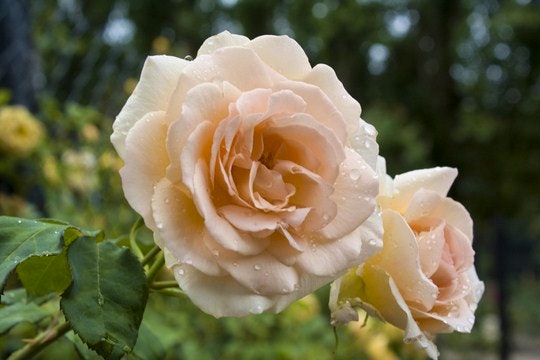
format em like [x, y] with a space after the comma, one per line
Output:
[22, 238]
[13, 296]
[106, 300]
[45, 274]
[148, 347]
[14, 314]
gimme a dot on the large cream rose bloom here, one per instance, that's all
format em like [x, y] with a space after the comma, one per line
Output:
[253, 169]
[424, 280]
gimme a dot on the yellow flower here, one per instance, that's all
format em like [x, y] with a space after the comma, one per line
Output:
[21, 131]
[80, 166]
[50, 170]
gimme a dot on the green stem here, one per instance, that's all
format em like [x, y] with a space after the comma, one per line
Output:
[170, 292]
[40, 342]
[156, 266]
[164, 284]
[150, 255]
[336, 339]
[133, 237]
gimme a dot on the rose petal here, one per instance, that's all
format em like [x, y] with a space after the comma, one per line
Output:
[355, 190]
[460, 248]
[145, 161]
[422, 204]
[437, 179]
[223, 39]
[430, 248]
[158, 80]
[181, 228]
[219, 295]
[318, 105]
[219, 228]
[311, 191]
[364, 142]
[196, 148]
[399, 257]
[321, 142]
[271, 49]
[382, 295]
[447, 317]
[205, 102]
[325, 78]
[246, 219]
[456, 215]
[335, 257]
[249, 72]
[262, 274]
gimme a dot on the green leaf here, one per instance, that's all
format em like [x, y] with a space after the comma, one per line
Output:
[13, 314]
[13, 296]
[106, 300]
[45, 274]
[22, 238]
[82, 349]
[148, 347]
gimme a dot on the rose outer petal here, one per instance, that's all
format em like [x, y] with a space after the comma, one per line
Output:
[145, 161]
[382, 297]
[354, 194]
[219, 295]
[205, 102]
[406, 185]
[324, 77]
[400, 259]
[271, 49]
[158, 80]
[327, 258]
[223, 39]
[181, 229]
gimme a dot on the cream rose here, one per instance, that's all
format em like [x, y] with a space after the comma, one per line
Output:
[253, 169]
[424, 280]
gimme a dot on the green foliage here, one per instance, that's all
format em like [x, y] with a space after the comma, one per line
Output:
[42, 275]
[107, 298]
[21, 239]
[14, 314]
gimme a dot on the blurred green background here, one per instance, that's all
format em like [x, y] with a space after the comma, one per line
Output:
[445, 82]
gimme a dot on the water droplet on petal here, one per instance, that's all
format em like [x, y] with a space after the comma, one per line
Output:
[355, 174]
[257, 309]
[180, 272]
[235, 264]
[257, 267]
[370, 130]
